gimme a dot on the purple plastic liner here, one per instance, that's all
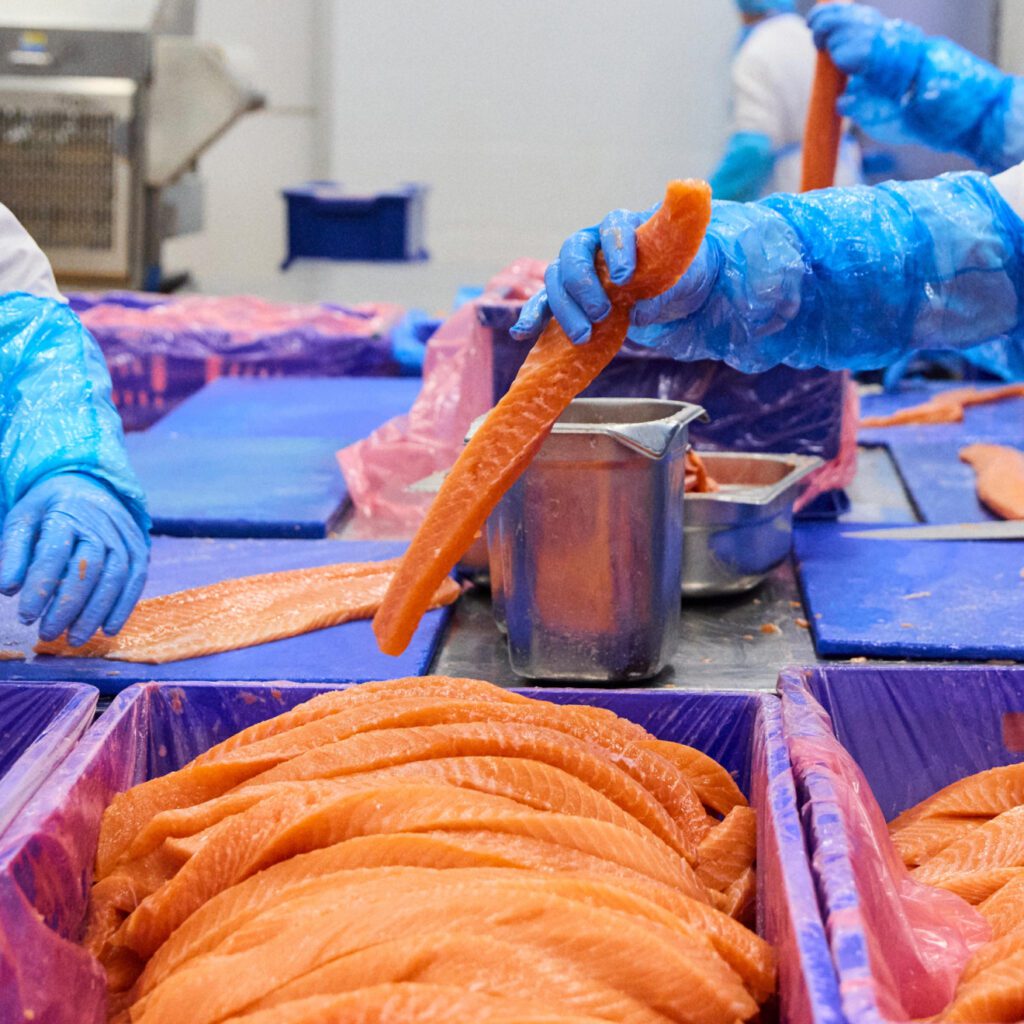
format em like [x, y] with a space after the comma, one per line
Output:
[39, 725]
[782, 410]
[912, 731]
[46, 862]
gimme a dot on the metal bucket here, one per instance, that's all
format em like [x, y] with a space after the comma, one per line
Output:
[586, 549]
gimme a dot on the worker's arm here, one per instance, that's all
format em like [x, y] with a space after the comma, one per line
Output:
[839, 278]
[23, 267]
[908, 87]
[75, 538]
[745, 167]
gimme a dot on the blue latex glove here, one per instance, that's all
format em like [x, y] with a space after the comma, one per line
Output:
[76, 554]
[745, 167]
[62, 457]
[907, 87]
[839, 278]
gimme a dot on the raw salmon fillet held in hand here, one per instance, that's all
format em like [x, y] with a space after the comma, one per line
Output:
[1000, 472]
[245, 612]
[391, 851]
[554, 373]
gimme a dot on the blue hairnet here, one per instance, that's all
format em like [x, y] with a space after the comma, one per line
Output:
[766, 6]
[55, 409]
[855, 278]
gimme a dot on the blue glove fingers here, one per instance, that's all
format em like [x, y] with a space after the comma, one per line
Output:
[50, 558]
[847, 32]
[21, 528]
[109, 586]
[618, 243]
[578, 277]
[533, 318]
[81, 574]
[564, 309]
[133, 582]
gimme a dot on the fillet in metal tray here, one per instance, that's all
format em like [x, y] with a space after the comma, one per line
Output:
[736, 535]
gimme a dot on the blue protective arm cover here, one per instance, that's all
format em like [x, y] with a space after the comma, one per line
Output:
[56, 413]
[850, 278]
[916, 88]
[745, 167]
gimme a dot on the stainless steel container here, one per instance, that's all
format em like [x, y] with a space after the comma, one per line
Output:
[586, 548]
[735, 536]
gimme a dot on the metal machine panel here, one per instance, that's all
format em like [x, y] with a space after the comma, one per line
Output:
[66, 168]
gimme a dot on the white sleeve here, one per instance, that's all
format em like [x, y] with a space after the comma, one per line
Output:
[1010, 185]
[755, 100]
[23, 267]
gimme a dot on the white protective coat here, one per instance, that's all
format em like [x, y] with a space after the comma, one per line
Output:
[23, 267]
[772, 74]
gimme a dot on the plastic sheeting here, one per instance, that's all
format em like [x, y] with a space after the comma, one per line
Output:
[46, 863]
[162, 349]
[899, 946]
[39, 724]
[472, 360]
[55, 410]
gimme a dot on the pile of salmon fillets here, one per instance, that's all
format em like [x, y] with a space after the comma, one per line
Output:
[432, 849]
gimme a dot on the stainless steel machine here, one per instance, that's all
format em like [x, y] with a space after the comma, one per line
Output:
[105, 106]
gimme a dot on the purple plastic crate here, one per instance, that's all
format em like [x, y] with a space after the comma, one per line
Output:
[46, 862]
[912, 731]
[39, 725]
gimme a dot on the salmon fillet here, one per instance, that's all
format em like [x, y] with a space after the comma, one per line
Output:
[921, 840]
[715, 787]
[554, 373]
[410, 1003]
[245, 612]
[1004, 910]
[945, 408]
[994, 995]
[977, 886]
[672, 969]
[281, 827]
[741, 897]
[995, 952]
[748, 955]
[983, 795]
[998, 843]
[1000, 477]
[202, 780]
[728, 850]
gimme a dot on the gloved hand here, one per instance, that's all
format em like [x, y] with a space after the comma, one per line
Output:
[573, 294]
[76, 554]
[839, 278]
[745, 167]
[908, 87]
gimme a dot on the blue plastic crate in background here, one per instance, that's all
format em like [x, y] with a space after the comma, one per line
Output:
[325, 223]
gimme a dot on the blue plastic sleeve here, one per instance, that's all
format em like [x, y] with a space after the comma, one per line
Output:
[931, 91]
[745, 167]
[855, 278]
[56, 413]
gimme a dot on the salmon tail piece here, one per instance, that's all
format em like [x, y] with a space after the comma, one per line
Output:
[554, 373]
[823, 130]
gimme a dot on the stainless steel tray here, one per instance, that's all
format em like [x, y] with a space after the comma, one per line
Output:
[735, 536]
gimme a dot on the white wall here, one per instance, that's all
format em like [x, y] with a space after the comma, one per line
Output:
[243, 241]
[527, 119]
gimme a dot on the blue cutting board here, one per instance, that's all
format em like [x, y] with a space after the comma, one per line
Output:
[859, 595]
[943, 488]
[346, 653]
[1001, 422]
[344, 409]
[270, 487]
